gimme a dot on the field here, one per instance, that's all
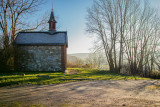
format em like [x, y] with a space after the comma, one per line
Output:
[82, 87]
[72, 74]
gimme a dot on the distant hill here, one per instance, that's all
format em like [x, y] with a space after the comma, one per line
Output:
[71, 58]
[82, 56]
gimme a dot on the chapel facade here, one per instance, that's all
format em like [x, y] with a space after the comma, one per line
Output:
[41, 50]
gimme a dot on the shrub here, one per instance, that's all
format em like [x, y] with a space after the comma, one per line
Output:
[77, 63]
[155, 74]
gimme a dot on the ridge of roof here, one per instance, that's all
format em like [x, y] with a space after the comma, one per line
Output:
[49, 32]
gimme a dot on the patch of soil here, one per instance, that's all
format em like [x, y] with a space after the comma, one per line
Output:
[86, 94]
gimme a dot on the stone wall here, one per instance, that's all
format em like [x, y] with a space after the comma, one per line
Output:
[38, 58]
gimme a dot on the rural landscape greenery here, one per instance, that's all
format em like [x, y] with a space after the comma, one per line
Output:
[73, 74]
[127, 45]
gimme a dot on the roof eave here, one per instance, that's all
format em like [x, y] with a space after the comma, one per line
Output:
[41, 44]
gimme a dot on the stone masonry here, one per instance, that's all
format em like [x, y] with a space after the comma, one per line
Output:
[41, 50]
[38, 58]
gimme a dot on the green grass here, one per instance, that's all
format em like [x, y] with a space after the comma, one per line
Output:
[17, 104]
[95, 74]
[13, 78]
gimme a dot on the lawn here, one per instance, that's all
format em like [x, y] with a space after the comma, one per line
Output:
[73, 74]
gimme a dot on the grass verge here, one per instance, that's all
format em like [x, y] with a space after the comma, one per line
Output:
[18, 104]
[73, 74]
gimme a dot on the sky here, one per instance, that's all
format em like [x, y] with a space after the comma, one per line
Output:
[71, 17]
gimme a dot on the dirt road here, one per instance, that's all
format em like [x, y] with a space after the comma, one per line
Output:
[86, 94]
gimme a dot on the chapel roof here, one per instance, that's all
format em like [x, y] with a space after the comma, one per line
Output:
[41, 38]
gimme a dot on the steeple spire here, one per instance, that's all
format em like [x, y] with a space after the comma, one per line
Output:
[52, 5]
[52, 21]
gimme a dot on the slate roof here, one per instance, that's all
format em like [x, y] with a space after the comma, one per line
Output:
[41, 38]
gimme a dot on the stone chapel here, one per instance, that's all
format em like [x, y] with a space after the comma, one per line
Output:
[41, 50]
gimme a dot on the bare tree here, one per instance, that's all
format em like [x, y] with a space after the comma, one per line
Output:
[128, 31]
[107, 19]
[13, 15]
[141, 39]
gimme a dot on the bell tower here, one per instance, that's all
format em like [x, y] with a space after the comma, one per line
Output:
[52, 22]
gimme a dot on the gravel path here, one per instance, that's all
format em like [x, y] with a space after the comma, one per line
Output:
[86, 94]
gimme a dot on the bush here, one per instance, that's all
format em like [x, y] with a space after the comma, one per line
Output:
[155, 74]
[7, 59]
[125, 69]
[77, 63]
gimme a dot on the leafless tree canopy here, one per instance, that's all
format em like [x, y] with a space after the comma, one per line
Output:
[129, 33]
[13, 14]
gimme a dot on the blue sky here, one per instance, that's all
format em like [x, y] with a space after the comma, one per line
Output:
[72, 17]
